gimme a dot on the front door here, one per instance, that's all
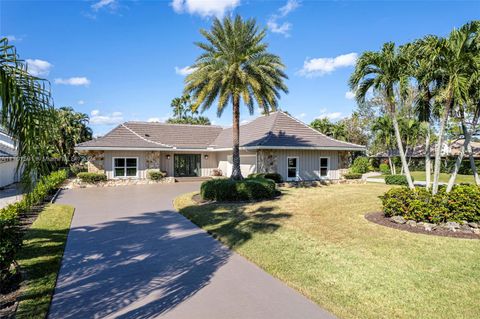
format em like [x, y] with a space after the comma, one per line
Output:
[186, 165]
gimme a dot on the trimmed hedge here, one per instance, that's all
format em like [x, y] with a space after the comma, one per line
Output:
[461, 204]
[277, 178]
[396, 180]
[361, 165]
[230, 190]
[384, 169]
[92, 178]
[156, 175]
[10, 233]
[352, 176]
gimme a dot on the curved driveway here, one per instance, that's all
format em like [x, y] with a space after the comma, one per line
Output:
[130, 255]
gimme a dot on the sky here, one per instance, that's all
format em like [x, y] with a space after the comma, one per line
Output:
[126, 60]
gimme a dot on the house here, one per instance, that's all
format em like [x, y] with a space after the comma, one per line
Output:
[8, 160]
[272, 143]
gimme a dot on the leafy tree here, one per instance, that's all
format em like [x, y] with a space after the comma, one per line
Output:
[183, 112]
[384, 73]
[323, 125]
[25, 108]
[235, 65]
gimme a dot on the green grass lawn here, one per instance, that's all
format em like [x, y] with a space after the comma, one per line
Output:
[317, 241]
[40, 259]
[444, 177]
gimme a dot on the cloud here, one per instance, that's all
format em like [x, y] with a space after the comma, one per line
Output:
[12, 38]
[285, 27]
[322, 66]
[96, 118]
[104, 4]
[301, 115]
[80, 102]
[38, 67]
[75, 81]
[154, 119]
[204, 8]
[329, 115]
[349, 95]
[184, 71]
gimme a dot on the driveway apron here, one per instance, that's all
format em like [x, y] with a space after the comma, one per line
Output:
[130, 255]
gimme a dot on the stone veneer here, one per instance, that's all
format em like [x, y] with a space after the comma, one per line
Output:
[76, 183]
[95, 162]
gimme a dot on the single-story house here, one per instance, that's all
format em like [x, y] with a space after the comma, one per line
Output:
[272, 143]
[8, 160]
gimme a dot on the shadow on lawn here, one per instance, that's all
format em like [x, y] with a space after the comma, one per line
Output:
[231, 223]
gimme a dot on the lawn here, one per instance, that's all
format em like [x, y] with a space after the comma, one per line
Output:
[40, 259]
[444, 177]
[317, 241]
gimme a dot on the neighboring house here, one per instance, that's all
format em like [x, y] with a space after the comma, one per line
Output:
[8, 160]
[457, 145]
[272, 143]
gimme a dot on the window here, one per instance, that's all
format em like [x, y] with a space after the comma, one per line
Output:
[324, 166]
[125, 167]
[292, 167]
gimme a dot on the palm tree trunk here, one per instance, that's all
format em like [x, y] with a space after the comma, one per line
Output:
[428, 165]
[236, 172]
[438, 148]
[459, 160]
[473, 166]
[400, 150]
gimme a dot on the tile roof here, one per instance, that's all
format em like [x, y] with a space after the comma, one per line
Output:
[275, 130]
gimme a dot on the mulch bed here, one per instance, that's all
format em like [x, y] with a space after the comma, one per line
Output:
[11, 290]
[380, 219]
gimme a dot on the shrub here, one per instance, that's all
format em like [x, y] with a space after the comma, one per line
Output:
[156, 175]
[360, 165]
[230, 190]
[396, 180]
[10, 233]
[384, 169]
[277, 178]
[462, 203]
[352, 176]
[92, 178]
[78, 168]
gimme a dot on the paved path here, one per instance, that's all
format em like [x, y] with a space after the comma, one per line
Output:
[129, 255]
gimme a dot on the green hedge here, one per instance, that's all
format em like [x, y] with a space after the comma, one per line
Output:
[10, 233]
[230, 190]
[156, 175]
[384, 169]
[352, 176]
[462, 203]
[361, 165]
[277, 178]
[396, 180]
[92, 178]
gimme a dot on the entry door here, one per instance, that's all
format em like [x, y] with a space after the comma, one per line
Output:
[187, 165]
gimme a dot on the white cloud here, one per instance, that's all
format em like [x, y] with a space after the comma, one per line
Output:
[329, 115]
[38, 67]
[321, 66]
[80, 102]
[285, 27]
[154, 119]
[184, 71]
[75, 81]
[96, 118]
[111, 4]
[349, 95]
[301, 115]
[12, 38]
[204, 8]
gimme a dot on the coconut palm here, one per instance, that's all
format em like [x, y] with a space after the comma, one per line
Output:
[384, 73]
[235, 66]
[24, 112]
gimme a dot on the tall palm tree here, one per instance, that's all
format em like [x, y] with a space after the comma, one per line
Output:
[384, 73]
[24, 112]
[384, 135]
[455, 61]
[236, 66]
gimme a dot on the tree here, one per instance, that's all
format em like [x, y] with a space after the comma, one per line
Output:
[384, 135]
[25, 110]
[183, 112]
[384, 73]
[323, 125]
[236, 66]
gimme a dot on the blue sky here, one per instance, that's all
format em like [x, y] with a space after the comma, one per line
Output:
[123, 60]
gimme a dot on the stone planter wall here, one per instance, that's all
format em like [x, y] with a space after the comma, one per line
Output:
[76, 183]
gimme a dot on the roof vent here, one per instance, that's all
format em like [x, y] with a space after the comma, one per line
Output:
[147, 135]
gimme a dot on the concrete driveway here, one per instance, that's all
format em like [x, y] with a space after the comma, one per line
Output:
[130, 255]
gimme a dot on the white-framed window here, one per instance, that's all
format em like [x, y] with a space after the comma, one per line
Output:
[324, 167]
[125, 167]
[292, 168]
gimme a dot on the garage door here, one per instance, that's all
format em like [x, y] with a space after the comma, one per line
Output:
[248, 164]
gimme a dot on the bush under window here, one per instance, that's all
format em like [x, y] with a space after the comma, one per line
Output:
[230, 190]
[461, 204]
[92, 178]
[396, 180]
[156, 175]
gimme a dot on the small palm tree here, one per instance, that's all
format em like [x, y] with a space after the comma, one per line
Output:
[236, 66]
[384, 72]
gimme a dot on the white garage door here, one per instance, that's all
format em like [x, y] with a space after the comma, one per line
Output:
[248, 164]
